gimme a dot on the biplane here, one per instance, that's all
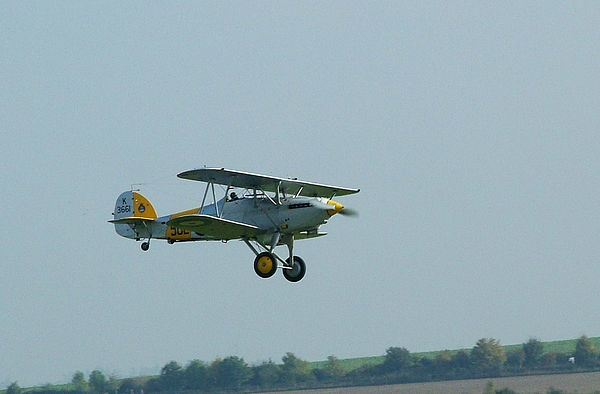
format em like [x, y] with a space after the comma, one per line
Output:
[263, 211]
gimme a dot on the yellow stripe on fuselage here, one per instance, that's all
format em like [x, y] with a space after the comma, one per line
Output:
[178, 233]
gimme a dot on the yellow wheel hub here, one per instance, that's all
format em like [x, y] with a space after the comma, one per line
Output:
[265, 264]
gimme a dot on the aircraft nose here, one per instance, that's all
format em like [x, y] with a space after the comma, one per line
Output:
[336, 207]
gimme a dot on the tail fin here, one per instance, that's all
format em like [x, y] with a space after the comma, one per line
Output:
[132, 213]
[133, 204]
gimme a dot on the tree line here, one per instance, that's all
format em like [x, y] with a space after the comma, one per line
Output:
[486, 359]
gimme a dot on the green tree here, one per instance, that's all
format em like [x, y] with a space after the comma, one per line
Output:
[396, 358]
[113, 383]
[230, 373]
[333, 369]
[586, 353]
[461, 360]
[515, 359]
[79, 382]
[533, 350]
[196, 375]
[548, 360]
[266, 375]
[442, 363]
[14, 389]
[152, 385]
[294, 370]
[97, 381]
[128, 385]
[171, 376]
[488, 356]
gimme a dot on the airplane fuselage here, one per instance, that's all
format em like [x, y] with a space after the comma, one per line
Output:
[291, 215]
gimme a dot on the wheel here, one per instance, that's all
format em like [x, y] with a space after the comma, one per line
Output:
[145, 246]
[265, 265]
[297, 272]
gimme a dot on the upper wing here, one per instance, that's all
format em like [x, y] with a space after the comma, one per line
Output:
[266, 183]
[214, 227]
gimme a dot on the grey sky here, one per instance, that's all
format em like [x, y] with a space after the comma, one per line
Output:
[470, 127]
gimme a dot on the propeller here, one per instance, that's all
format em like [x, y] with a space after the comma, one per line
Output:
[349, 212]
[336, 207]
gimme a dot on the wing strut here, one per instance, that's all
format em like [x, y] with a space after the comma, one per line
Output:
[224, 199]
[269, 197]
[212, 185]
[204, 198]
[278, 193]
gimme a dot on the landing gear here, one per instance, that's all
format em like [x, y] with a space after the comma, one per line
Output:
[297, 270]
[265, 264]
[145, 246]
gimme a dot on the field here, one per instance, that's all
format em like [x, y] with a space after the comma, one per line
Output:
[581, 383]
[564, 346]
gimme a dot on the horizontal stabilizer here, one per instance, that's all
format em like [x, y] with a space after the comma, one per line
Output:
[215, 227]
[131, 220]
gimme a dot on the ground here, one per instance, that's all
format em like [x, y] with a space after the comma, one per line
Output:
[576, 382]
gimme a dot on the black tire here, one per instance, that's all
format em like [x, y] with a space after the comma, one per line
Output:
[297, 272]
[145, 246]
[265, 265]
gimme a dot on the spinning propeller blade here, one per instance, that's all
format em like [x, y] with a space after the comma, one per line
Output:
[349, 212]
[335, 207]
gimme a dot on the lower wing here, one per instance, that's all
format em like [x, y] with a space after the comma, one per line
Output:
[215, 227]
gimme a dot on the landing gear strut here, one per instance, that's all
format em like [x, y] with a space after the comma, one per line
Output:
[297, 270]
[294, 267]
[146, 245]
